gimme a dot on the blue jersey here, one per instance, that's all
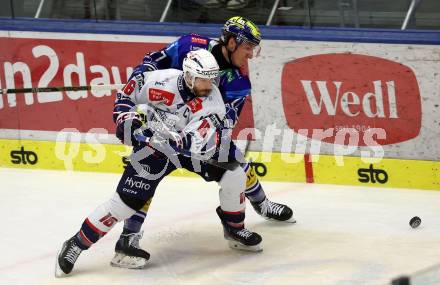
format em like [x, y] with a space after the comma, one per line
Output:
[234, 86]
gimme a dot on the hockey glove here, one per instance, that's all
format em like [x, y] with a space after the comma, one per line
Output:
[127, 123]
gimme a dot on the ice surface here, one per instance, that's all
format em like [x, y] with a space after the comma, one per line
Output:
[344, 235]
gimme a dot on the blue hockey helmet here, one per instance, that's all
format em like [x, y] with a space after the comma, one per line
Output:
[242, 29]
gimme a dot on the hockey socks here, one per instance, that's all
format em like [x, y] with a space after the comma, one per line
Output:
[254, 191]
[134, 223]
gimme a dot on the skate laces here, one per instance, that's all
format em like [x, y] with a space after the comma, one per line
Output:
[245, 233]
[73, 253]
[133, 239]
[270, 207]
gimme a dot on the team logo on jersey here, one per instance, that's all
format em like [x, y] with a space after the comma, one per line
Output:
[199, 40]
[161, 95]
[195, 105]
[139, 184]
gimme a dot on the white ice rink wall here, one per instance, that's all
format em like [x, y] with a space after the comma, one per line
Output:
[327, 105]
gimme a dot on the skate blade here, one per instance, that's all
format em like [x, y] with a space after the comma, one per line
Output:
[58, 272]
[289, 221]
[129, 262]
[239, 246]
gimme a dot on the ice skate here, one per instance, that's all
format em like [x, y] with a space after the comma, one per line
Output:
[243, 239]
[67, 257]
[128, 254]
[274, 211]
[240, 238]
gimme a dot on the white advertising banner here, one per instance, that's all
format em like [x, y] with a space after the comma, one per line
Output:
[347, 98]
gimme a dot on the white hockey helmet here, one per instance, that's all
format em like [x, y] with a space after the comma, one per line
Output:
[199, 64]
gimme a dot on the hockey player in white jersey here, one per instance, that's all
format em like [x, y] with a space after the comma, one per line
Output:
[173, 120]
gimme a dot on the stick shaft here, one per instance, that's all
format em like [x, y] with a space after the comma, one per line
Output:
[224, 165]
[62, 88]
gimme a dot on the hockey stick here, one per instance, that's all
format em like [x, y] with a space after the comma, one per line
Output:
[62, 88]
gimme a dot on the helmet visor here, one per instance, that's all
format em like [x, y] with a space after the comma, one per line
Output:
[251, 48]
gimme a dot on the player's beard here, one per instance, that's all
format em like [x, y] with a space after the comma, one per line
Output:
[202, 92]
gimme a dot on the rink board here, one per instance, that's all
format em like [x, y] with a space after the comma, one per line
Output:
[273, 166]
[376, 93]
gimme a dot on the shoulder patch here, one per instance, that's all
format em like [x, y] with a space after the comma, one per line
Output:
[195, 105]
[198, 40]
[155, 95]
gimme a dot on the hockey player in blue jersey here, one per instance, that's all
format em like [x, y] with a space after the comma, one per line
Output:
[238, 43]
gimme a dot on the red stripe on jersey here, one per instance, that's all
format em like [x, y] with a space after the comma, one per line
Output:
[155, 94]
[95, 229]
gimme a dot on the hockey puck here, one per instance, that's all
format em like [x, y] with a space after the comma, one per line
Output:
[415, 222]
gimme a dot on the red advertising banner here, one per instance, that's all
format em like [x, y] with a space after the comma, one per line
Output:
[328, 93]
[26, 63]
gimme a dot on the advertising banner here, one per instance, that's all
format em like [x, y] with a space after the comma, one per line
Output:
[52, 61]
[358, 99]
[344, 113]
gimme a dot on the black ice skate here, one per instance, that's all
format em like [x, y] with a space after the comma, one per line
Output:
[242, 239]
[67, 257]
[274, 211]
[128, 254]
